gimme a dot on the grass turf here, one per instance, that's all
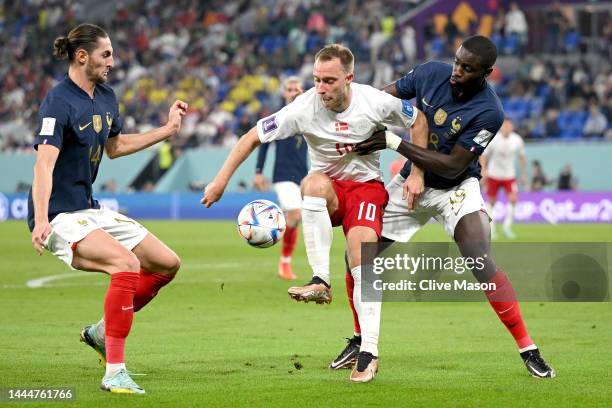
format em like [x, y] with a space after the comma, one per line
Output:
[225, 334]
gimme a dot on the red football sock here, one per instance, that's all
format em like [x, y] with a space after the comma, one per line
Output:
[289, 241]
[350, 285]
[149, 284]
[119, 313]
[503, 300]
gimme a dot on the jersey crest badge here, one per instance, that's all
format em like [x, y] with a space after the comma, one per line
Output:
[97, 123]
[109, 120]
[440, 117]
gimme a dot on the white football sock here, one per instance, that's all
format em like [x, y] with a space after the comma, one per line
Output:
[369, 316]
[318, 235]
[113, 368]
[530, 347]
[509, 216]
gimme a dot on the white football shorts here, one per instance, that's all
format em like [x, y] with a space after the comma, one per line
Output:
[71, 227]
[446, 206]
[289, 195]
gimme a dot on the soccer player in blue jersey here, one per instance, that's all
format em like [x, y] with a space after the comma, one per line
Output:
[79, 120]
[463, 115]
[290, 167]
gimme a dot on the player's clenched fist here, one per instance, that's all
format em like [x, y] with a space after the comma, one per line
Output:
[212, 193]
[177, 111]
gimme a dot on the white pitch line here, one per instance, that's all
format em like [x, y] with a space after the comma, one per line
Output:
[40, 282]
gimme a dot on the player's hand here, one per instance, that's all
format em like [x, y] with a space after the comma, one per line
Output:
[39, 235]
[376, 142]
[260, 183]
[212, 193]
[413, 188]
[175, 116]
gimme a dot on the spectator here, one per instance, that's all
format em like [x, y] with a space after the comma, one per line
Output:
[516, 24]
[566, 180]
[596, 124]
[538, 178]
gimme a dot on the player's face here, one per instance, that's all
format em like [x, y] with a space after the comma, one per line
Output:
[100, 61]
[467, 70]
[292, 90]
[332, 84]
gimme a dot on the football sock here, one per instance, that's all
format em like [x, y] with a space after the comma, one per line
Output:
[148, 285]
[318, 234]
[113, 368]
[289, 241]
[119, 313]
[369, 316]
[350, 284]
[509, 216]
[503, 300]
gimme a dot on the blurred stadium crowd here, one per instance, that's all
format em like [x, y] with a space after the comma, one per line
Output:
[227, 58]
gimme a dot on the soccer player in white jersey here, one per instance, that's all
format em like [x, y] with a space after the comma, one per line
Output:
[342, 188]
[498, 170]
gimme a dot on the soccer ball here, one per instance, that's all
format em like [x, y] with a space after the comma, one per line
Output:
[261, 223]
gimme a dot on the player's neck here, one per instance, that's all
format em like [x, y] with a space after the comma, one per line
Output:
[79, 77]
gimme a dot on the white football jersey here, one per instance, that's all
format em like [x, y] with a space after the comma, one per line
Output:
[331, 136]
[501, 155]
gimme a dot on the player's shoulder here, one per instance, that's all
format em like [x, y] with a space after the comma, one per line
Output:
[106, 91]
[493, 110]
[59, 98]
[435, 67]
[303, 106]
[367, 91]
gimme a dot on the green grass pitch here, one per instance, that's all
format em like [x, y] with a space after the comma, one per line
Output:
[225, 334]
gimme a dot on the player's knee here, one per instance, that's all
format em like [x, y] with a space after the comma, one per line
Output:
[174, 264]
[316, 184]
[294, 217]
[125, 263]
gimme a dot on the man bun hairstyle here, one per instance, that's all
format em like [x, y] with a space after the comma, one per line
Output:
[84, 36]
[484, 48]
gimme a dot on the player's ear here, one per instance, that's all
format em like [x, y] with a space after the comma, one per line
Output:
[349, 77]
[488, 71]
[81, 56]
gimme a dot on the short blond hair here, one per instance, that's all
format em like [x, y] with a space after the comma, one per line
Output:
[339, 51]
[292, 80]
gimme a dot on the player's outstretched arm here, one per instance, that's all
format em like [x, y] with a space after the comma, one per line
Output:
[445, 165]
[245, 146]
[122, 145]
[42, 185]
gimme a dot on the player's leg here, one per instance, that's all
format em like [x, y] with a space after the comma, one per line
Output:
[512, 193]
[348, 355]
[290, 200]
[158, 266]
[98, 251]
[368, 311]
[492, 190]
[319, 201]
[470, 228]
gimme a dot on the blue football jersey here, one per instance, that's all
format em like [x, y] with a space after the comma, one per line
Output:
[291, 162]
[470, 123]
[79, 127]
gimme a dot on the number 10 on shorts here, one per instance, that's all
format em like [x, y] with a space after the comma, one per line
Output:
[370, 212]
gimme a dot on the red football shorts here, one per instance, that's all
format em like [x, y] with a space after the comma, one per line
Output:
[493, 186]
[359, 204]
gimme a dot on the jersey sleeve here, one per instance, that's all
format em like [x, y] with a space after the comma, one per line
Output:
[479, 134]
[282, 124]
[117, 124]
[261, 157]
[407, 85]
[53, 120]
[396, 112]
